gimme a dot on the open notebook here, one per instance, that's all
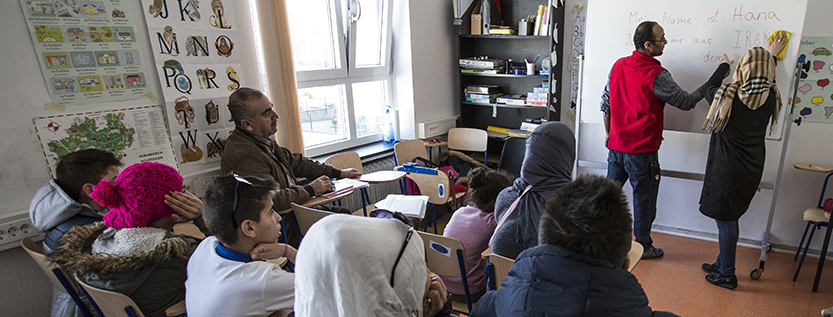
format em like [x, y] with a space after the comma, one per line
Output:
[344, 185]
[409, 205]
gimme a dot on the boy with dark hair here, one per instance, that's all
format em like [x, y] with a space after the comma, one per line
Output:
[65, 201]
[580, 266]
[239, 212]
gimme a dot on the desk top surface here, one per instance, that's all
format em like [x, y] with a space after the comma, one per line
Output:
[435, 144]
[320, 200]
[813, 167]
[382, 176]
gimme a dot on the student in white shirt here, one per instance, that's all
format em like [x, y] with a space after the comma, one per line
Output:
[226, 274]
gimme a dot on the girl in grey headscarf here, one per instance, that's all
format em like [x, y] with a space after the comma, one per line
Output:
[345, 266]
[548, 165]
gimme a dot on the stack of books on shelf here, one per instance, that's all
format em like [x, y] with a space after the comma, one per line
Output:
[516, 100]
[479, 65]
[485, 94]
[538, 95]
[502, 30]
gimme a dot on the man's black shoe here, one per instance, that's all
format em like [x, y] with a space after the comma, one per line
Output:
[725, 281]
[710, 268]
[652, 253]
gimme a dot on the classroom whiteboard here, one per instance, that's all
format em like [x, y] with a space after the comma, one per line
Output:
[698, 33]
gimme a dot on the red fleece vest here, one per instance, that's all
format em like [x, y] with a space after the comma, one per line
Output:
[636, 114]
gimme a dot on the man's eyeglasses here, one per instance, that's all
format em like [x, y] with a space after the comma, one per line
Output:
[661, 40]
[381, 213]
[239, 179]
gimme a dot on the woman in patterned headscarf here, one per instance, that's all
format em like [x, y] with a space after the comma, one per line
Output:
[738, 118]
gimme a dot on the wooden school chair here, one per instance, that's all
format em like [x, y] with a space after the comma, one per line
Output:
[439, 189]
[635, 254]
[813, 216]
[350, 160]
[114, 304]
[469, 140]
[109, 303]
[512, 156]
[306, 216]
[59, 279]
[447, 256]
[498, 268]
[406, 151]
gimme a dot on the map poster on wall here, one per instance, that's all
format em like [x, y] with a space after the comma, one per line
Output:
[134, 135]
[87, 50]
[193, 44]
[814, 101]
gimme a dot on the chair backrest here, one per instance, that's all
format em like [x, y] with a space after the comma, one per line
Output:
[512, 156]
[468, 139]
[501, 266]
[634, 254]
[110, 303]
[307, 216]
[441, 254]
[429, 185]
[345, 160]
[407, 150]
[36, 252]
[189, 229]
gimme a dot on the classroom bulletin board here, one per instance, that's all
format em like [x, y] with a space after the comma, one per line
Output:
[87, 50]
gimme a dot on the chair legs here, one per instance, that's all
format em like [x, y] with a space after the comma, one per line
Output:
[816, 226]
[803, 236]
[82, 307]
[460, 257]
[490, 276]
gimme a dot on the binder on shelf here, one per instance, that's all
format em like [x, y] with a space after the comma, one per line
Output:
[488, 17]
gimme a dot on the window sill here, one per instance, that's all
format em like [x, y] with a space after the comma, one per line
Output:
[367, 153]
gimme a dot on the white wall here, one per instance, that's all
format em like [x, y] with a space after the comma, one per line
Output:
[425, 52]
[26, 291]
[678, 207]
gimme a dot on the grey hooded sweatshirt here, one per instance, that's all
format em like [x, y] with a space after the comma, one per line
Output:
[53, 212]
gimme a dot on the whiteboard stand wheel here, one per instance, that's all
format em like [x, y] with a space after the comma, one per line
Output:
[756, 273]
[768, 247]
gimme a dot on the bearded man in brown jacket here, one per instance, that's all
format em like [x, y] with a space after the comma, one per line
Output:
[250, 151]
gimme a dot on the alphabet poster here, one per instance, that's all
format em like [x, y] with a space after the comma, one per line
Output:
[193, 45]
[814, 101]
[87, 50]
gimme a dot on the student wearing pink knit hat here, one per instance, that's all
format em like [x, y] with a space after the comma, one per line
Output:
[134, 251]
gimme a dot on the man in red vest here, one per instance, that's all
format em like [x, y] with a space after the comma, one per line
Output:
[633, 104]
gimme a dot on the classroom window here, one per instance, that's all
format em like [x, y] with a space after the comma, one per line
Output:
[342, 57]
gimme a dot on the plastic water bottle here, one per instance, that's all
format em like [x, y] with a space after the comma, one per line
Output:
[388, 133]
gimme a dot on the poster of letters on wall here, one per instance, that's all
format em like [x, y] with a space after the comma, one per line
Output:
[193, 44]
[814, 101]
[87, 50]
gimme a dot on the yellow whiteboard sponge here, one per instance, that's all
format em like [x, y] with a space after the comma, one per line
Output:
[783, 51]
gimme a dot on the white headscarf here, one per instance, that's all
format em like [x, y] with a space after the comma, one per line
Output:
[344, 264]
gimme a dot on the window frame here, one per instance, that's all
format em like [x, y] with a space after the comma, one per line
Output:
[348, 74]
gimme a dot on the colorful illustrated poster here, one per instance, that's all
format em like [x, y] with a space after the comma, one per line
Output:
[814, 101]
[134, 135]
[87, 50]
[193, 44]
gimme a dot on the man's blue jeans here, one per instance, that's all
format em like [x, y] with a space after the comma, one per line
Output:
[727, 236]
[643, 171]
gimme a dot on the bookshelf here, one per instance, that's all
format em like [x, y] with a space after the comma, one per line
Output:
[515, 47]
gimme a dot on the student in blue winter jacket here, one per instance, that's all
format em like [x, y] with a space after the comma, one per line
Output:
[579, 267]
